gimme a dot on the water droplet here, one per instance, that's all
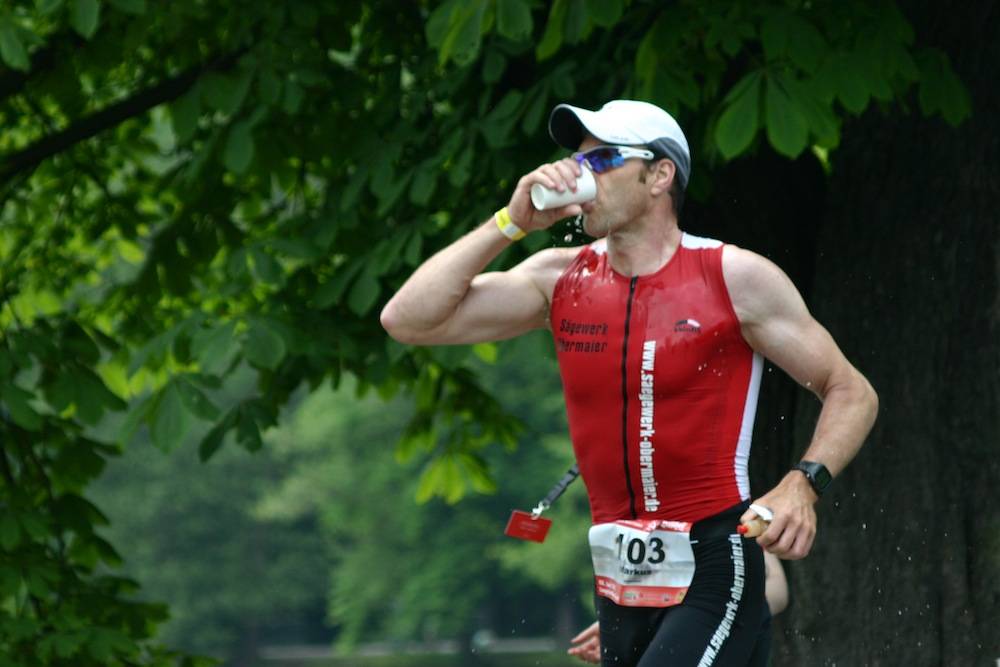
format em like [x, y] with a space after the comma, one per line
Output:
[568, 238]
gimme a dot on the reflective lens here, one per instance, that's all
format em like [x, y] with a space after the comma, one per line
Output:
[603, 158]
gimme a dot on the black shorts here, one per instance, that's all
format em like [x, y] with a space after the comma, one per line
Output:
[720, 622]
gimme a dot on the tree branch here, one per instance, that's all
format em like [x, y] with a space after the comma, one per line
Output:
[85, 128]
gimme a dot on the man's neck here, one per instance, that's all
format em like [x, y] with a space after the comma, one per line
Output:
[644, 246]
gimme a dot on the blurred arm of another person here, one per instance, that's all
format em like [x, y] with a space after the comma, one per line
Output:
[587, 645]
[775, 584]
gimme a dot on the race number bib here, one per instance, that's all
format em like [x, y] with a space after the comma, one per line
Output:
[642, 563]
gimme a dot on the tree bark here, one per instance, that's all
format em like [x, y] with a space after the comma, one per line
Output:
[905, 566]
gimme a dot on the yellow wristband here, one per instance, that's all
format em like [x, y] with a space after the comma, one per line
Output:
[507, 226]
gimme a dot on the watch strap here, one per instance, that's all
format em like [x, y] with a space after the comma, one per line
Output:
[817, 474]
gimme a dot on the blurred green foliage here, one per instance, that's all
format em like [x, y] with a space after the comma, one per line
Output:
[191, 191]
[324, 516]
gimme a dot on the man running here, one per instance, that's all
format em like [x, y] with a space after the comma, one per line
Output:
[660, 338]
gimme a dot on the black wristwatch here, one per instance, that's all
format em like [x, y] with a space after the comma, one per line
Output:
[817, 474]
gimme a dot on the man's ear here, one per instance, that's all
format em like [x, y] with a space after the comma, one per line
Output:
[663, 176]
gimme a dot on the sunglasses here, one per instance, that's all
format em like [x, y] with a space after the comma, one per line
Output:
[604, 158]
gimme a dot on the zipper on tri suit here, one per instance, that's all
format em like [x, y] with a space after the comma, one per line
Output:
[628, 320]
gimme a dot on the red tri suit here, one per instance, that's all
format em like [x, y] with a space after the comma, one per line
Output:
[661, 388]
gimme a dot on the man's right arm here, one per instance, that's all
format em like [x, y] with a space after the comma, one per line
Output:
[449, 301]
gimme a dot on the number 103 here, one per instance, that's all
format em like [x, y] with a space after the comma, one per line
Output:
[636, 550]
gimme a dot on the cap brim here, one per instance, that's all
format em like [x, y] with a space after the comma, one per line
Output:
[568, 124]
[565, 126]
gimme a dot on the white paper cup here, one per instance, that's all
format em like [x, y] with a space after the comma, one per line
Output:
[586, 189]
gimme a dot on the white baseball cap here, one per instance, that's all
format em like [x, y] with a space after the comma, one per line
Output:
[624, 122]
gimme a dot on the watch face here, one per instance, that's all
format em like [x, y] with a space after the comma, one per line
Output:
[817, 474]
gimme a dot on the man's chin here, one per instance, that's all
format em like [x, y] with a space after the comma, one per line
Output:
[593, 228]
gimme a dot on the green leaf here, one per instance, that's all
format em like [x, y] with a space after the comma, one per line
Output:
[514, 19]
[577, 26]
[265, 267]
[74, 467]
[739, 122]
[154, 351]
[774, 35]
[498, 123]
[486, 351]
[784, 34]
[604, 13]
[48, 6]
[940, 89]
[169, 420]
[215, 438]
[135, 7]
[439, 22]
[390, 194]
[226, 92]
[18, 403]
[493, 66]
[461, 170]
[806, 46]
[84, 17]
[331, 291]
[478, 473]
[536, 110]
[239, 148]
[11, 49]
[364, 293]
[214, 348]
[431, 480]
[93, 397]
[412, 253]
[264, 347]
[294, 95]
[248, 431]
[61, 392]
[184, 114]
[350, 194]
[553, 35]
[196, 402]
[465, 32]
[819, 115]
[852, 86]
[424, 182]
[10, 532]
[269, 86]
[786, 127]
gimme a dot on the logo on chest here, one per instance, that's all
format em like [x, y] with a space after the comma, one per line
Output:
[687, 326]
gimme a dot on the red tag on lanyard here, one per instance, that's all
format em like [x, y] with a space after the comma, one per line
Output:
[526, 526]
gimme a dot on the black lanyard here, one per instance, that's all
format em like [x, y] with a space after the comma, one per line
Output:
[556, 490]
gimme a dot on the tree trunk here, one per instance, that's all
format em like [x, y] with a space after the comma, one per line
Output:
[906, 565]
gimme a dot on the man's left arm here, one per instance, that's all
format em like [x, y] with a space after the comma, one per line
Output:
[775, 322]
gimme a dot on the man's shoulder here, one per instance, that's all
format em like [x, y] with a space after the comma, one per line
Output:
[546, 266]
[549, 259]
[755, 284]
[746, 265]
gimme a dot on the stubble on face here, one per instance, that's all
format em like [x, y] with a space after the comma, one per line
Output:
[619, 201]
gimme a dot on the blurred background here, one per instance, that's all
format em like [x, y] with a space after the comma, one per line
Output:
[211, 453]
